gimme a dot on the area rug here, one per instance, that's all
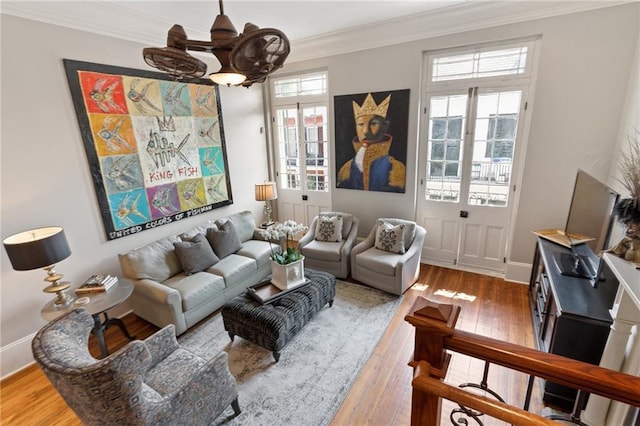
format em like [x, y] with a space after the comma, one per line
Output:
[316, 368]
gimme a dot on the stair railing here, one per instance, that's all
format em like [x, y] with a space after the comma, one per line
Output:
[436, 337]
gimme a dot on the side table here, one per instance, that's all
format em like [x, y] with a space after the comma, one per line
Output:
[99, 304]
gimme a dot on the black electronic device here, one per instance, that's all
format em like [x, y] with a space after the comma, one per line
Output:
[575, 265]
[591, 211]
[591, 215]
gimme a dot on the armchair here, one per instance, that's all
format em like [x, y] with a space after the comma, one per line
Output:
[388, 271]
[150, 382]
[330, 256]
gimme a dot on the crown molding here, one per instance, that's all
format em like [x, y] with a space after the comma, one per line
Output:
[449, 20]
[111, 19]
[115, 19]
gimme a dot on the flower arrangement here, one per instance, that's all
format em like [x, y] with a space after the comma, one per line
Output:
[285, 230]
[628, 209]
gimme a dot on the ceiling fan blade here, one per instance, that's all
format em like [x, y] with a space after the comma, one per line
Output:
[259, 53]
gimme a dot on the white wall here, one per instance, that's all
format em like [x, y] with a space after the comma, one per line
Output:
[45, 176]
[583, 77]
[629, 125]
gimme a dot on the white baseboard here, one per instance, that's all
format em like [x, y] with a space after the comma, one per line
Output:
[16, 356]
[516, 271]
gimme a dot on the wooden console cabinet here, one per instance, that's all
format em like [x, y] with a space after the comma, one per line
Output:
[570, 317]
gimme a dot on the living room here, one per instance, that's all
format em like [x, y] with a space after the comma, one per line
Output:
[586, 101]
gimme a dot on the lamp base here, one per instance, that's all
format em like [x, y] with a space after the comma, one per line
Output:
[266, 224]
[62, 299]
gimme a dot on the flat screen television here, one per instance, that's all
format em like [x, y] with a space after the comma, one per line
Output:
[591, 210]
[591, 215]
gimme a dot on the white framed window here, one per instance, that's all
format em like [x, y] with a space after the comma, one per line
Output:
[470, 84]
[301, 121]
[300, 85]
[487, 61]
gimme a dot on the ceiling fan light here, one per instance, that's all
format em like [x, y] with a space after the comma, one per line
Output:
[227, 78]
[245, 58]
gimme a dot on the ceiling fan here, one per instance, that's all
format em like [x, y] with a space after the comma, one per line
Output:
[245, 58]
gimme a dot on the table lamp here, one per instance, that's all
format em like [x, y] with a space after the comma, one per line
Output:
[41, 248]
[266, 192]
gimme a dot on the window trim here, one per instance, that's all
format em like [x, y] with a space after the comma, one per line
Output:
[529, 42]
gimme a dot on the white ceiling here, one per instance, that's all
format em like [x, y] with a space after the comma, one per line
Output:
[315, 28]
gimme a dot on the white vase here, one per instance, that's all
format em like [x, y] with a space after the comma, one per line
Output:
[289, 276]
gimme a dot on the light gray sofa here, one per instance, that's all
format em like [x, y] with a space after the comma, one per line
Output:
[164, 294]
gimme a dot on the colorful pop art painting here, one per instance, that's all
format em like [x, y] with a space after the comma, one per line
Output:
[155, 146]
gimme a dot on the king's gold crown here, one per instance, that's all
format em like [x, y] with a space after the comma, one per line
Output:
[369, 107]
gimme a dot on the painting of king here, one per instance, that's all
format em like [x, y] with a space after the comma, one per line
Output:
[376, 155]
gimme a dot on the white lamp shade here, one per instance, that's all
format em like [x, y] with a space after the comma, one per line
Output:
[266, 191]
[227, 78]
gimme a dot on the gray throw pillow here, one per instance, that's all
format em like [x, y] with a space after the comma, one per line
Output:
[224, 240]
[195, 254]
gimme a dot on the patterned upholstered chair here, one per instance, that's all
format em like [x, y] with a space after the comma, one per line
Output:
[389, 258]
[328, 251]
[150, 382]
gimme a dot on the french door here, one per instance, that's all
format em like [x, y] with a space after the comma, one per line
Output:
[470, 146]
[302, 162]
[301, 146]
[471, 142]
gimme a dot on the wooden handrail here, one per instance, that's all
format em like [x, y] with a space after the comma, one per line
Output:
[558, 369]
[423, 382]
[436, 334]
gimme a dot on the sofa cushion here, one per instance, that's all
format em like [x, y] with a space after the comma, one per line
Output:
[390, 237]
[243, 222]
[197, 288]
[380, 261]
[234, 268]
[224, 240]
[323, 250]
[329, 228]
[195, 254]
[409, 229]
[155, 261]
[260, 251]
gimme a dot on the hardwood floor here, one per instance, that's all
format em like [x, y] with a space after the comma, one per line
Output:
[381, 395]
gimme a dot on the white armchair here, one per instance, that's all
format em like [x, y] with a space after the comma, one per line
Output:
[330, 256]
[385, 270]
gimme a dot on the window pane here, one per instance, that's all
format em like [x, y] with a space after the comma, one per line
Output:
[484, 63]
[303, 85]
[453, 150]
[439, 128]
[287, 134]
[454, 130]
[316, 148]
[437, 151]
[444, 149]
[493, 147]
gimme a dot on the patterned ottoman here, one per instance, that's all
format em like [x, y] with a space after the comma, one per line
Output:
[274, 324]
